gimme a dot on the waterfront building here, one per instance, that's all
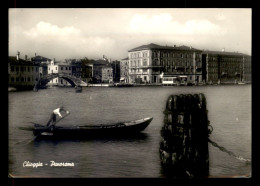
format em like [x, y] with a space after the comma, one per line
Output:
[107, 74]
[116, 71]
[86, 70]
[151, 63]
[43, 64]
[98, 73]
[76, 68]
[124, 70]
[22, 74]
[226, 67]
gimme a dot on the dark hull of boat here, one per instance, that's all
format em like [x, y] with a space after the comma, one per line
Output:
[118, 129]
[125, 85]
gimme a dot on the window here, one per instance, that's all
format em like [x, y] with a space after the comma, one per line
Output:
[17, 79]
[61, 68]
[144, 62]
[36, 69]
[56, 68]
[28, 69]
[12, 68]
[66, 68]
[12, 79]
[144, 70]
[28, 79]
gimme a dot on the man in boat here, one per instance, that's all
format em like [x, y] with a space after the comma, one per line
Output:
[52, 120]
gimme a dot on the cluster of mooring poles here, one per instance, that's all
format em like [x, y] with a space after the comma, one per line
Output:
[184, 145]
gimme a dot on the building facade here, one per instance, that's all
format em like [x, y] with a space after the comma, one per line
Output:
[101, 71]
[226, 67]
[124, 70]
[150, 63]
[107, 74]
[116, 71]
[22, 74]
[43, 63]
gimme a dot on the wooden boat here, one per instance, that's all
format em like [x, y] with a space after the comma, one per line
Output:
[121, 128]
[78, 88]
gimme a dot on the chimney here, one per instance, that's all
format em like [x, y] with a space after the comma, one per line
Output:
[35, 54]
[18, 55]
[25, 57]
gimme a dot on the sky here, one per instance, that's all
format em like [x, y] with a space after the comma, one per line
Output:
[78, 33]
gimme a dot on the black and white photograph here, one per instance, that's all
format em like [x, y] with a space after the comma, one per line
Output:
[129, 93]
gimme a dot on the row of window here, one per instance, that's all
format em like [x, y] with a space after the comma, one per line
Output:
[23, 79]
[139, 70]
[123, 63]
[23, 69]
[228, 59]
[156, 54]
[139, 54]
[61, 68]
[138, 63]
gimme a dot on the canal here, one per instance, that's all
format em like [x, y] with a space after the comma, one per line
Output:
[229, 112]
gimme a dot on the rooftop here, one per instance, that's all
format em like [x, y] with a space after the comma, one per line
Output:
[155, 46]
[224, 53]
[40, 58]
[13, 60]
[125, 58]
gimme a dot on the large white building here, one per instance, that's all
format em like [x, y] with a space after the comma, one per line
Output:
[147, 63]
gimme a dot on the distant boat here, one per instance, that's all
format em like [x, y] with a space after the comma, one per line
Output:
[78, 88]
[120, 128]
[124, 84]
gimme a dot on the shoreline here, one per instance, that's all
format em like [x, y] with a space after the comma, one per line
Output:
[18, 89]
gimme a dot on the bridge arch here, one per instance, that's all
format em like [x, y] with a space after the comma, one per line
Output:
[74, 81]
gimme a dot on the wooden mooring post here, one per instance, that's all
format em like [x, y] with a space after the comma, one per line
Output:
[184, 145]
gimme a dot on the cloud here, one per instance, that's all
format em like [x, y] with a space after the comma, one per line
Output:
[165, 24]
[220, 17]
[47, 29]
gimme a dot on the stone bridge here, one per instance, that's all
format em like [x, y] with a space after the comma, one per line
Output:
[74, 81]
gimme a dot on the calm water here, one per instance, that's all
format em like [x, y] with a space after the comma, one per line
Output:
[229, 113]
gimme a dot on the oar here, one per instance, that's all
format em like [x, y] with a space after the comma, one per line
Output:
[68, 113]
